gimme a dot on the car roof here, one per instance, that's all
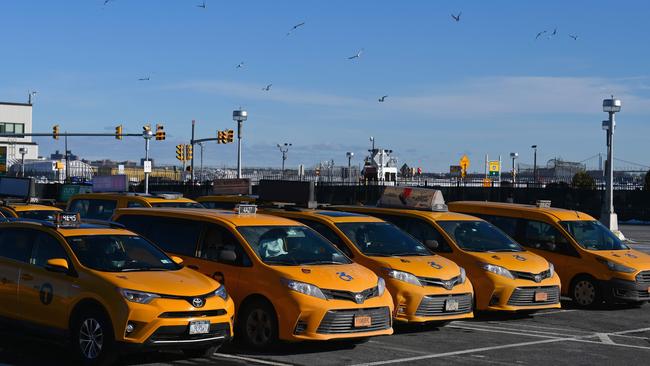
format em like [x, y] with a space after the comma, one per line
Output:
[327, 215]
[228, 216]
[435, 215]
[559, 213]
[116, 195]
[83, 229]
[32, 207]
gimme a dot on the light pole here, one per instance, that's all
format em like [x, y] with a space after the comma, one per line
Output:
[22, 151]
[284, 149]
[201, 177]
[514, 156]
[239, 116]
[534, 147]
[372, 140]
[147, 134]
[608, 217]
[349, 154]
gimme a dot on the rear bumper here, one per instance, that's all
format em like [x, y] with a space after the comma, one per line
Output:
[627, 291]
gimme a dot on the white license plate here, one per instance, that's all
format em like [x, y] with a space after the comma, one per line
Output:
[451, 305]
[200, 327]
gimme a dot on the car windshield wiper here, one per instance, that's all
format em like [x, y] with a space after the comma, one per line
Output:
[405, 254]
[280, 262]
[322, 262]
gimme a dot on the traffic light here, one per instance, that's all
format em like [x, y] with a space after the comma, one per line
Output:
[160, 132]
[188, 152]
[230, 136]
[180, 152]
[55, 132]
[221, 139]
[118, 132]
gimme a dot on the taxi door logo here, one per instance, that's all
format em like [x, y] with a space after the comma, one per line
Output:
[519, 258]
[344, 276]
[198, 302]
[631, 255]
[435, 265]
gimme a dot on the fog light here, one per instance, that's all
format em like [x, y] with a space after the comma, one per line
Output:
[130, 327]
[301, 327]
[495, 299]
[401, 309]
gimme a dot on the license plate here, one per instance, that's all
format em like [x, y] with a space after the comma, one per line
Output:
[541, 296]
[451, 305]
[362, 321]
[200, 327]
[648, 289]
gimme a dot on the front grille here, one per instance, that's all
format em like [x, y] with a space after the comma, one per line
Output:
[351, 296]
[525, 296]
[434, 305]
[182, 333]
[192, 314]
[438, 282]
[643, 278]
[536, 277]
[342, 321]
[189, 299]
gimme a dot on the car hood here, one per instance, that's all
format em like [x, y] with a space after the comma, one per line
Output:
[631, 258]
[183, 282]
[346, 277]
[514, 261]
[433, 266]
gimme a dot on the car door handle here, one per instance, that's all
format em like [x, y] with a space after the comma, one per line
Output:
[26, 277]
[192, 266]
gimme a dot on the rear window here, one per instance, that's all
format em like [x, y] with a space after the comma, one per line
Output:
[93, 208]
[173, 235]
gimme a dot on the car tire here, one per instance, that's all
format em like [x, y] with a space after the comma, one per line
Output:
[257, 325]
[92, 338]
[201, 352]
[585, 292]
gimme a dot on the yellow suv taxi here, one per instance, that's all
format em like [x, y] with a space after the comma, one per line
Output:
[226, 201]
[593, 264]
[425, 287]
[108, 289]
[288, 282]
[505, 276]
[100, 206]
[38, 210]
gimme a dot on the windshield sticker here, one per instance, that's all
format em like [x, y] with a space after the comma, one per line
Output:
[165, 261]
[344, 276]
[435, 265]
[291, 233]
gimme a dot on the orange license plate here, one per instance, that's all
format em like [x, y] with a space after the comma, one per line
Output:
[541, 296]
[648, 289]
[362, 321]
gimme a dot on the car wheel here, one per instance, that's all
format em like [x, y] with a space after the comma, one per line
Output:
[258, 325]
[93, 342]
[585, 292]
[201, 352]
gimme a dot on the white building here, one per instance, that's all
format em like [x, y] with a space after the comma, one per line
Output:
[16, 118]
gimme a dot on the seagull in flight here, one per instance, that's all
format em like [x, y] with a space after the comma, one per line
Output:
[146, 78]
[295, 27]
[201, 5]
[240, 65]
[540, 34]
[106, 2]
[575, 38]
[267, 88]
[357, 55]
[457, 17]
[554, 32]
[382, 99]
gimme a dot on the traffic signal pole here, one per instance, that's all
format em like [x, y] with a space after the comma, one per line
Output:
[192, 142]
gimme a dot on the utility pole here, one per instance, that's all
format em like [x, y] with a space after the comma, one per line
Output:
[192, 160]
[239, 116]
[67, 166]
[534, 147]
[609, 217]
[349, 154]
[284, 149]
[147, 134]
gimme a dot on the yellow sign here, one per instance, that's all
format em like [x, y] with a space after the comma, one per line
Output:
[464, 162]
[494, 167]
[59, 165]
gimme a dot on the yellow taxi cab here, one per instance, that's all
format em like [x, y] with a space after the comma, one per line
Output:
[505, 276]
[425, 287]
[593, 264]
[37, 210]
[288, 282]
[107, 290]
[226, 201]
[100, 206]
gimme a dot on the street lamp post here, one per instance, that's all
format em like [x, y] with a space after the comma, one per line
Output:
[372, 140]
[201, 176]
[608, 217]
[534, 147]
[239, 116]
[147, 134]
[349, 154]
[514, 156]
[284, 149]
[22, 151]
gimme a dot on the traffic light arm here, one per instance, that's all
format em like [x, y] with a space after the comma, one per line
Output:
[20, 135]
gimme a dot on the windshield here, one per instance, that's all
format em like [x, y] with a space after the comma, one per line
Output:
[48, 215]
[479, 236]
[177, 204]
[291, 245]
[119, 253]
[592, 235]
[381, 239]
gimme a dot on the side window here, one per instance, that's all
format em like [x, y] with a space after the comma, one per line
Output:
[46, 247]
[328, 233]
[219, 205]
[5, 212]
[176, 236]
[137, 223]
[507, 224]
[540, 235]
[134, 204]
[216, 239]
[16, 244]
[94, 209]
[419, 229]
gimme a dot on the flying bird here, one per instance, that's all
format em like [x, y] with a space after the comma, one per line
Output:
[540, 34]
[554, 32]
[267, 88]
[295, 27]
[146, 78]
[457, 17]
[240, 65]
[575, 38]
[106, 2]
[357, 55]
[201, 5]
[382, 99]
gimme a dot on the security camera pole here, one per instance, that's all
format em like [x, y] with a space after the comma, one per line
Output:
[239, 116]
[608, 216]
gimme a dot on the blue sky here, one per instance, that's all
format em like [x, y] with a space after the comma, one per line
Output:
[481, 85]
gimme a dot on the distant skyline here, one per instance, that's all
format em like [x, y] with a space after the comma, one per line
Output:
[483, 84]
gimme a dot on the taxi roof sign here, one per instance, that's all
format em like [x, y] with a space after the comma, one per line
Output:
[67, 219]
[543, 203]
[413, 198]
[246, 209]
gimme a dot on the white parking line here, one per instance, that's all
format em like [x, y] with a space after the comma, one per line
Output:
[530, 333]
[384, 345]
[552, 312]
[610, 344]
[250, 359]
[540, 327]
[631, 331]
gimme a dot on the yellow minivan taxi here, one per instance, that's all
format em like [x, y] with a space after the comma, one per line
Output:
[593, 264]
[505, 276]
[107, 289]
[29, 210]
[100, 206]
[288, 282]
[425, 287]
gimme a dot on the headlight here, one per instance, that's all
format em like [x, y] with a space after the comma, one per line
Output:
[381, 286]
[221, 292]
[137, 296]
[616, 267]
[551, 269]
[403, 276]
[463, 275]
[497, 270]
[304, 288]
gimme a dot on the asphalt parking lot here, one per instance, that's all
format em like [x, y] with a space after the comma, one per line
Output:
[617, 335]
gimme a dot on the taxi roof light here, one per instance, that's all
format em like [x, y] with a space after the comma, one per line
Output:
[67, 219]
[168, 195]
[413, 198]
[246, 209]
[543, 203]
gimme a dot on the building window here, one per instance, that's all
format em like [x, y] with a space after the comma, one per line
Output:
[8, 127]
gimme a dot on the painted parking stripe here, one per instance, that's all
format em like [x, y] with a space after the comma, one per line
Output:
[552, 312]
[250, 359]
[541, 327]
[609, 344]
[498, 330]
[384, 345]
[513, 328]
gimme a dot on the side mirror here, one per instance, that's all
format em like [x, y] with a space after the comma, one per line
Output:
[227, 256]
[431, 244]
[57, 265]
[177, 260]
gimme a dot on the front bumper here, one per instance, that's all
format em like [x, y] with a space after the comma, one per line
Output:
[497, 293]
[419, 304]
[624, 290]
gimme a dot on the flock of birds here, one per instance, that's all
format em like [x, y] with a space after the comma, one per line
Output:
[382, 99]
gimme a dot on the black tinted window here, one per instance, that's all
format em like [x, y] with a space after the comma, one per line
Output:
[419, 229]
[217, 239]
[16, 244]
[173, 235]
[328, 233]
[136, 223]
[94, 208]
[543, 236]
[507, 224]
[46, 247]
[219, 205]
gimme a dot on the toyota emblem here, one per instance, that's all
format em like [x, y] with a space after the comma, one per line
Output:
[538, 278]
[198, 302]
[448, 284]
[358, 298]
